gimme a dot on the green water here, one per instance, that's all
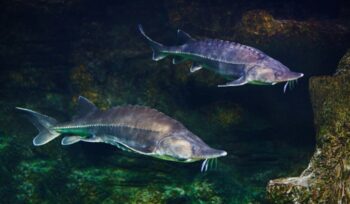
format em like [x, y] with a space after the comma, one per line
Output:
[53, 52]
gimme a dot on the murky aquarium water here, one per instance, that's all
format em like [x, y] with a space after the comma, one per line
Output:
[174, 101]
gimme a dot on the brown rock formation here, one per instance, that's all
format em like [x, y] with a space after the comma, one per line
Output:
[327, 178]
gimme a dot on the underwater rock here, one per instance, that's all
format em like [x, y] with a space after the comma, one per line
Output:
[260, 24]
[344, 64]
[245, 24]
[327, 177]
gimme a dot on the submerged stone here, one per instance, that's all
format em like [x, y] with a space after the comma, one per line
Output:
[327, 177]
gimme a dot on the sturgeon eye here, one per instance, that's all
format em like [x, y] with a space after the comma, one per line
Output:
[194, 148]
[278, 74]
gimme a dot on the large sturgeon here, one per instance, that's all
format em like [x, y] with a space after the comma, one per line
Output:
[136, 129]
[244, 63]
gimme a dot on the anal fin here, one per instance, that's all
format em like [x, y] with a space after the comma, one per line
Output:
[238, 82]
[195, 67]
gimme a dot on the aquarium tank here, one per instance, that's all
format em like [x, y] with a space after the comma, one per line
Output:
[174, 101]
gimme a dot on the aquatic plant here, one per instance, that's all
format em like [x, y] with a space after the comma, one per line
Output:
[32, 179]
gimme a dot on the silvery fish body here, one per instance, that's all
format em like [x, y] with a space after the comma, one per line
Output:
[136, 129]
[244, 63]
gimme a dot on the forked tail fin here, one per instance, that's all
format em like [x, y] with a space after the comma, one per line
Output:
[44, 124]
[157, 48]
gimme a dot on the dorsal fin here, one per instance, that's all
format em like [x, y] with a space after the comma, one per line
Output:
[183, 37]
[84, 107]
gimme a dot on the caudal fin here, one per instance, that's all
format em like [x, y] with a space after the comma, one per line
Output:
[44, 124]
[157, 48]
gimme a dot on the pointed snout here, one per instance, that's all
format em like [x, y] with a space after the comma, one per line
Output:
[290, 76]
[222, 153]
[212, 153]
[217, 153]
[295, 75]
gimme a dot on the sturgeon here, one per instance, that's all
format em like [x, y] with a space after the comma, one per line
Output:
[243, 63]
[136, 129]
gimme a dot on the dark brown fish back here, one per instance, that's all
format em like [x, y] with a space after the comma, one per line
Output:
[224, 51]
[141, 117]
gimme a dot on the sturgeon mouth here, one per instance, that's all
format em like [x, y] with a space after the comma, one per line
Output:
[211, 162]
[291, 83]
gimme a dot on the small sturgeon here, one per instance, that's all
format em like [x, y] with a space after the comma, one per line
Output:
[244, 63]
[136, 129]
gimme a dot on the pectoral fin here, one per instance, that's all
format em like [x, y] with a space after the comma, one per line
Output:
[238, 82]
[195, 67]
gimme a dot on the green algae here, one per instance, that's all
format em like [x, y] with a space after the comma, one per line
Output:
[111, 184]
[4, 144]
[33, 181]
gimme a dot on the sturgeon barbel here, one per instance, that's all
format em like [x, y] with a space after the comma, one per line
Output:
[243, 63]
[136, 129]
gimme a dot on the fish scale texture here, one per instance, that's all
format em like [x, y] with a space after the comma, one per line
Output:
[224, 51]
[133, 125]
